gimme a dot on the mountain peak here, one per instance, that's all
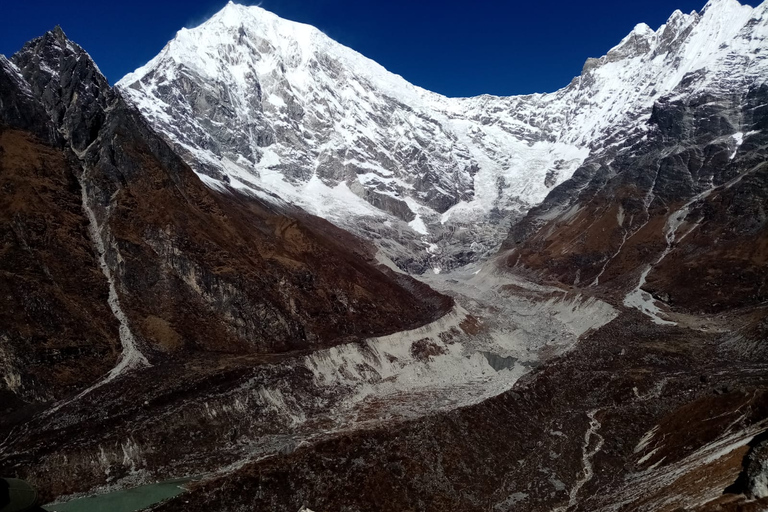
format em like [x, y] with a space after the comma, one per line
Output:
[70, 85]
[235, 15]
[58, 33]
[643, 29]
[229, 12]
[270, 104]
[51, 49]
[723, 5]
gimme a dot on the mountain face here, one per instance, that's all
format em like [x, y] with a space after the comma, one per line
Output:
[679, 214]
[278, 109]
[154, 326]
[637, 417]
[673, 220]
[57, 330]
[99, 281]
[171, 306]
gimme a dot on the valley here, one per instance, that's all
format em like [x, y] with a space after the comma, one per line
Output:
[266, 267]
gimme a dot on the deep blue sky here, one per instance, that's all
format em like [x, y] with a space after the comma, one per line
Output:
[456, 48]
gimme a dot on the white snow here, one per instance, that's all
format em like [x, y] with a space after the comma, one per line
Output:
[418, 225]
[365, 121]
[645, 458]
[644, 302]
[647, 437]
[738, 139]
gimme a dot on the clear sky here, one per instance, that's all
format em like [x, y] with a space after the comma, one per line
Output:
[455, 48]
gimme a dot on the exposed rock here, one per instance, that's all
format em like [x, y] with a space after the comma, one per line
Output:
[67, 82]
[157, 322]
[757, 472]
[57, 334]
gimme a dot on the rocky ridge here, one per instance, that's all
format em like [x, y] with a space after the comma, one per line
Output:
[675, 217]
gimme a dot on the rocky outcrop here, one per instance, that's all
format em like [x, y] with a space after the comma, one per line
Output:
[64, 78]
[757, 471]
[19, 108]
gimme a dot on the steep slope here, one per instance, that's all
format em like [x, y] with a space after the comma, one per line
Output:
[56, 331]
[278, 109]
[272, 278]
[119, 266]
[662, 408]
[234, 329]
[226, 333]
[681, 210]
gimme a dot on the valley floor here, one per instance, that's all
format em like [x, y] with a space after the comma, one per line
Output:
[534, 396]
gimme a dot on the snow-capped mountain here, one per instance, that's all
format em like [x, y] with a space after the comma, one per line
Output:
[156, 323]
[277, 108]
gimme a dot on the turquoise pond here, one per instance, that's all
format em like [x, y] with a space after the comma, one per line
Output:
[127, 500]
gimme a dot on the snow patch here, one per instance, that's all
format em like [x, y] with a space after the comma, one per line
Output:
[647, 437]
[418, 225]
[738, 140]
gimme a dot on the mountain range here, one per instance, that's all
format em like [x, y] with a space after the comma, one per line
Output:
[263, 262]
[278, 109]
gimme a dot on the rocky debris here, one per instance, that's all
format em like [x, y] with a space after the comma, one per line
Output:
[231, 334]
[623, 420]
[211, 413]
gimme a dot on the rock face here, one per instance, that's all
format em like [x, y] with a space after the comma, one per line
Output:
[278, 108]
[57, 333]
[68, 84]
